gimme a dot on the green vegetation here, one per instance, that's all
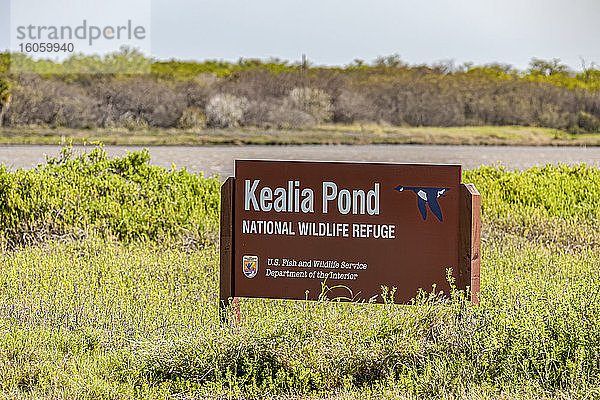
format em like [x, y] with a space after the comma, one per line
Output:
[111, 315]
[123, 198]
[281, 96]
[546, 71]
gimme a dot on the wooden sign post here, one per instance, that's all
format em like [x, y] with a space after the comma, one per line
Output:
[288, 226]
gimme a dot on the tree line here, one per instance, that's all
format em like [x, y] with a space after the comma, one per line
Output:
[275, 93]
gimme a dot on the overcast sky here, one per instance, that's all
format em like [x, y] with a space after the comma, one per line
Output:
[334, 32]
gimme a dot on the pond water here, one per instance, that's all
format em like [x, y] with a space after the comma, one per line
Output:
[219, 159]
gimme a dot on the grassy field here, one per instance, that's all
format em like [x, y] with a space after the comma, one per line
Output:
[323, 134]
[89, 309]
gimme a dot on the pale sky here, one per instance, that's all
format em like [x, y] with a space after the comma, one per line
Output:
[334, 32]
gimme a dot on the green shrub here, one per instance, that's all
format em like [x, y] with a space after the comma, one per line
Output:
[552, 191]
[123, 197]
[555, 204]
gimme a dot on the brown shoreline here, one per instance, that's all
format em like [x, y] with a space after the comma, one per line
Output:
[321, 135]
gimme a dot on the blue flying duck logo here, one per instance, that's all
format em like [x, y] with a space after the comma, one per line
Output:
[427, 196]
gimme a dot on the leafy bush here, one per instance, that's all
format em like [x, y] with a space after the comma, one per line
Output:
[124, 198]
[225, 111]
[552, 191]
[556, 204]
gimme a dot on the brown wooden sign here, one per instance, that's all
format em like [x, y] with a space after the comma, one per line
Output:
[289, 226]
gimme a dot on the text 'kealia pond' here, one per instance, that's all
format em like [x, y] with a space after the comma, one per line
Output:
[295, 199]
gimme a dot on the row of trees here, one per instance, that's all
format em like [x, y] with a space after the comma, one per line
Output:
[277, 94]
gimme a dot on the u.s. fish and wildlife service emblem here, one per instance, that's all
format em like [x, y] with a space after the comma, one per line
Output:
[250, 266]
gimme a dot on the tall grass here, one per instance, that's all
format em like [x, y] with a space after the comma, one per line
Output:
[109, 316]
